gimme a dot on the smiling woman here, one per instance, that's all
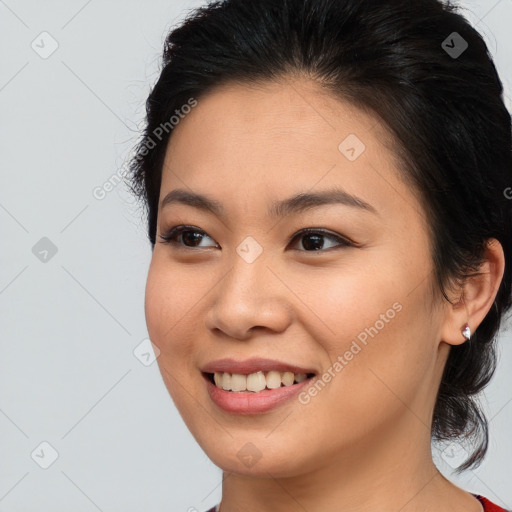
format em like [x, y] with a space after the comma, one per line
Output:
[331, 247]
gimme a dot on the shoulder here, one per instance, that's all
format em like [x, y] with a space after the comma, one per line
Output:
[489, 506]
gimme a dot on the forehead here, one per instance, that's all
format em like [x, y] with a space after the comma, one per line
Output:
[247, 141]
[299, 111]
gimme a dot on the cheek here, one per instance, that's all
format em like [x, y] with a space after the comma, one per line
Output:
[349, 303]
[169, 301]
[379, 342]
[168, 304]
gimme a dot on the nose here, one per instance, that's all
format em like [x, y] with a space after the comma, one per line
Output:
[249, 298]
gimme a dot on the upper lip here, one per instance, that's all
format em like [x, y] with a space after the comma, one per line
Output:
[252, 365]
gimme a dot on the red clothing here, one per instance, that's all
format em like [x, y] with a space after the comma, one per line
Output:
[488, 505]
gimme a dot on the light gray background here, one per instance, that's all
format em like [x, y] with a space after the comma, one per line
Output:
[69, 326]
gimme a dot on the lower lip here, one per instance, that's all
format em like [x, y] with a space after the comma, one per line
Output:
[253, 403]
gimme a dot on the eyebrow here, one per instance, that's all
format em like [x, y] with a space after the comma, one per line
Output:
[296, 204]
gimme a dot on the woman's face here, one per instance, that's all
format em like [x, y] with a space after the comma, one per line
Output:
[243, 283]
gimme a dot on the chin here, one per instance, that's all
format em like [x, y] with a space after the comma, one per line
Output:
[262, 457]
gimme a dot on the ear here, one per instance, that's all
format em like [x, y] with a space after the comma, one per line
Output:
[472, 302]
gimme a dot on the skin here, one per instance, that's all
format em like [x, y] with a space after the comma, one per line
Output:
[363, 442]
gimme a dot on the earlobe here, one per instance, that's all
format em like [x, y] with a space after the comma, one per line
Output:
[476, 297]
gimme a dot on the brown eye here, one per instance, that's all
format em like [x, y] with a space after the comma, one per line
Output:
[190, 237]
[313, 240]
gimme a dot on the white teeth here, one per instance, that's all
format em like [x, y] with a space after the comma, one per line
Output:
[226, 381]
[273, 380]
[239, 382]
[287, 378]
[256, 381]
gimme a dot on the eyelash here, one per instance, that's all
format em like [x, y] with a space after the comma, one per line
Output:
[176, 231]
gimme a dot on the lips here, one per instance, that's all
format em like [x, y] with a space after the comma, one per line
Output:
[254, 385]
[253, 365]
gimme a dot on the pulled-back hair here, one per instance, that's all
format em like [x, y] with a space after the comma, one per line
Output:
[441, 102]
